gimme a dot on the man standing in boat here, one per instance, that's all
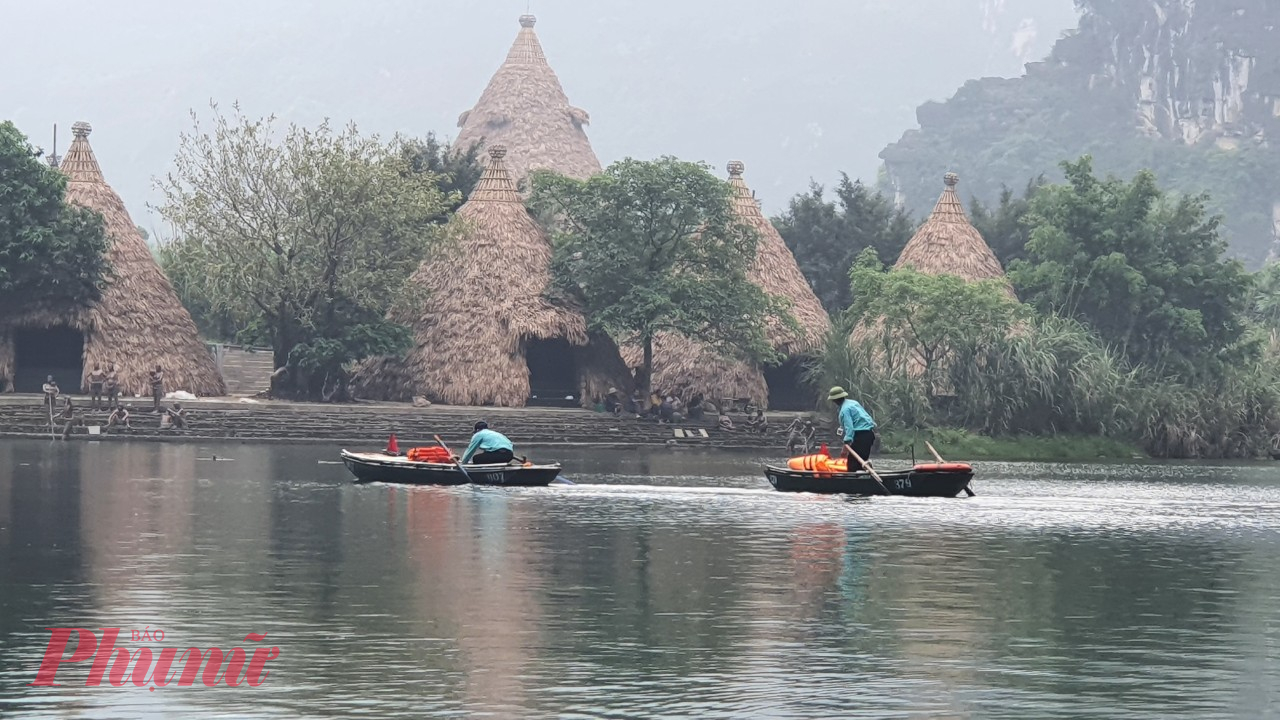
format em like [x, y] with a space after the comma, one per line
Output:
[856, 426]
[488, 447]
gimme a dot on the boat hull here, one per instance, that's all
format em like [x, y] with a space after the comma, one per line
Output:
[371, 467]
[912, 483]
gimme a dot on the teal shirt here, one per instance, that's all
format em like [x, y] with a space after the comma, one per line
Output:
[854, 417]
[486, 441]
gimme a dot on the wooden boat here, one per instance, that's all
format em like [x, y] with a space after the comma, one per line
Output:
[381, 467]
[925, 480]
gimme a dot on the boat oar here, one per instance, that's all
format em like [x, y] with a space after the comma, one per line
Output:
[457, 463]
[865, 466]
[938, 457]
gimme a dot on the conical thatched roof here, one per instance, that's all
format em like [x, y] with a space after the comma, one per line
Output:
[487, 300]
[948, 244]
[138, 322]
[776, 271]
[525, 109]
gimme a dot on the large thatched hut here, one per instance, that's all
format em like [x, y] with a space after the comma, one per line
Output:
[137, 323]
[525, 109]
[488, 334]
[948, 244]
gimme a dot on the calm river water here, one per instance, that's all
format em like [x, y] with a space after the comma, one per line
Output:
[668, 583]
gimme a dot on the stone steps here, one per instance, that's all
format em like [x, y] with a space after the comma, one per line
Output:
[372, 425]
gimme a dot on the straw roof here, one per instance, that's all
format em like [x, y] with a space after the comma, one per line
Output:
[525, 109]
[487, 301]
[948, 244]
[684, 368]
[775, 270]
[138, 322]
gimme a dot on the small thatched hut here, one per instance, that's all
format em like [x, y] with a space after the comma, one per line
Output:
[948, 244]
[137, 323]
[525, 109]
[488, 335]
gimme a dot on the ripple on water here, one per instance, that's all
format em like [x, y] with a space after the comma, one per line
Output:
[660, 585]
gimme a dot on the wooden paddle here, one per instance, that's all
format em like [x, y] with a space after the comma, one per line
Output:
[938, 457]
[457, 463]
[868, 468]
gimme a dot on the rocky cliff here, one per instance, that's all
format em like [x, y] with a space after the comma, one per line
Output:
[1188, 88]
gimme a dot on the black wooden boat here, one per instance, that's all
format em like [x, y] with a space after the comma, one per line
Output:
[943, 480]
[381, 467]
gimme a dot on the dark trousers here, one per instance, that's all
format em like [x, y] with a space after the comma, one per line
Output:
[493, 457]
[862, 442]
[95, 394]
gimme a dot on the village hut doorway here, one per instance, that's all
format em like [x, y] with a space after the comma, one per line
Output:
[553, 373]
[56, 351]
[787, 389]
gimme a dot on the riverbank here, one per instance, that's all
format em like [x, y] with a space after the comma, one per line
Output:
[962, 445]
[371, 424]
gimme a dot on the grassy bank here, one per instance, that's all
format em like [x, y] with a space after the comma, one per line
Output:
[962, 445]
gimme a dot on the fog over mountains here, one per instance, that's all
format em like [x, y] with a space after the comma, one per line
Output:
[795, 90]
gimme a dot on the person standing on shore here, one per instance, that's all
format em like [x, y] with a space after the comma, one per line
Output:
[856, 427]
[112, 386]
[50, 393]
[157, 389]
[96, 380]
[488, 447]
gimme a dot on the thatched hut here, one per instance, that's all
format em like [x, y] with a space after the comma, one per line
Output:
[776, 271]
[137, 323]
[685, 367]
[488, 334]
[525, 109]
[948, 244]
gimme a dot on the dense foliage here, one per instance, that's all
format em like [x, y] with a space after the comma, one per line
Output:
[303, 240]
[1142, 270]
[653, 247]
[49, 250]
[1135, 326]
[826, 235]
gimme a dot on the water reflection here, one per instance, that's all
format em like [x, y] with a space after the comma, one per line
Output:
[1069, 591]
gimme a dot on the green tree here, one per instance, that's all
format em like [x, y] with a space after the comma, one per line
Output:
[1144, 271]
[49, 250]
[654, 247]
[305, 240]
[456, 170]
[826, 235]
[916, 320]
[1002, 225]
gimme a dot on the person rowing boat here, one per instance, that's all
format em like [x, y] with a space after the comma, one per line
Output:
[488, 447]
[856, 426]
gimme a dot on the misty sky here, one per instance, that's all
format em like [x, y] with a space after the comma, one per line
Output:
[796, 90]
